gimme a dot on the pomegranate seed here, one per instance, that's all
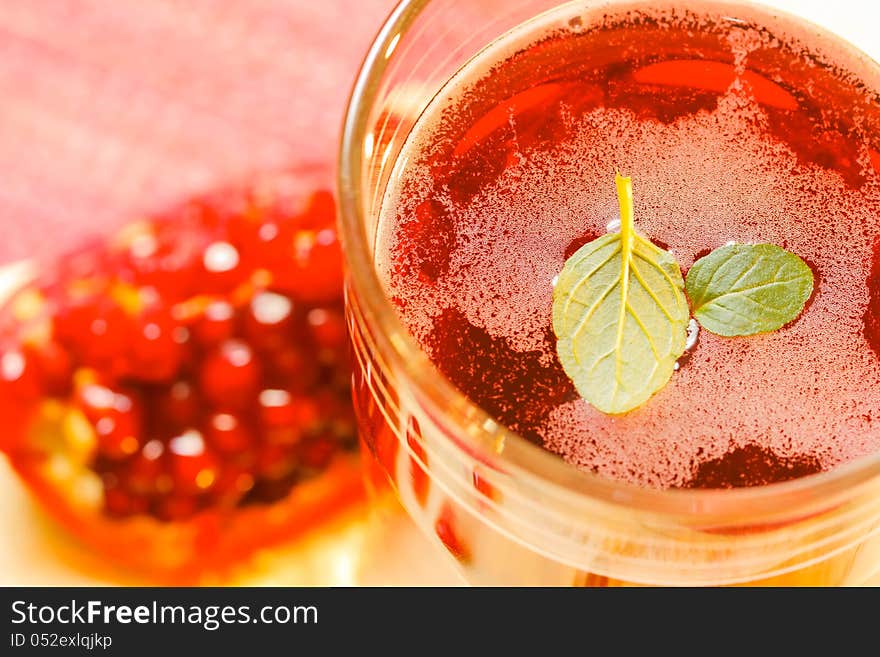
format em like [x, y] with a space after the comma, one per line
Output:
[193, 466]
[216, 325]
[19, 395]
[167, 259]
[327, 327]
[144, 472]
[317, 453]
[19, 376]
[314, 271]
[116, 417]
[97, 333]
[178, 406]
[54, 366]
[306, 259]
[321, 210]
[222, 267]
[176, 508]
[121, 503]
[276, 408]
[72, 322]
[226, 433]
[268, 321]
[263, 240]
[230, 376]
[155, 353]
[275, 461]
[97, 400]
[233, 484]
[292, 370]
[117, 437]
[284, 418]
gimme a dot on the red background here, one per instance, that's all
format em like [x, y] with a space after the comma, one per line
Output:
[111, 108]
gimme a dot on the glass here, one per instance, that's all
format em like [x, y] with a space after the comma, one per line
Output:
[506, 511]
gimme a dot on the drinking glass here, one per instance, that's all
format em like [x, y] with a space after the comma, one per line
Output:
[504, 511]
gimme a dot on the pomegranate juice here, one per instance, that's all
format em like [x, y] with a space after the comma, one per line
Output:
[730, 133]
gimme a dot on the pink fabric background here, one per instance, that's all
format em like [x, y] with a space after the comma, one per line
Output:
[110, 108]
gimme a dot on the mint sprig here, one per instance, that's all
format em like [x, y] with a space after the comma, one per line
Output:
[744, 289]
[620, 314]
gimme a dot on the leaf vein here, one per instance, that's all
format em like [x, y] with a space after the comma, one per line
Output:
[644, 330]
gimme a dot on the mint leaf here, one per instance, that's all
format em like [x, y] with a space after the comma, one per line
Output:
[743, 289]
[620, 315]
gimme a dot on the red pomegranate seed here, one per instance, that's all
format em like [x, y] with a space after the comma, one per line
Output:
[121, 503]
[98, 334]
[193, 467]
[144, 473]
[268, 323]
[54, 366]
[72, 322]
[178, 406]
[117, 437]
[19, 394]
[119, 428]
[276, 409]
[156, 350]
[327, 328]
[316, 453]
[228, 434]
[313, 271]
[115, 416]
[19, 376]
[263, 239]
[320, 211]
[292, 369]
[230, 376]
[233, 484]
[217, 324]
[285, 418]
[275, 461]
[97, 400]
[176, 508]
[222, 267]
[165, 257]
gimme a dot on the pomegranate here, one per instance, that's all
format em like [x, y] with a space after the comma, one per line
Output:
[178, 395]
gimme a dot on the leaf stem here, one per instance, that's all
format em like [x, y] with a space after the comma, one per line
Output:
[625, 202]
[627, 241]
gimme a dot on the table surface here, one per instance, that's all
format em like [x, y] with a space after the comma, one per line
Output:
[111, 109]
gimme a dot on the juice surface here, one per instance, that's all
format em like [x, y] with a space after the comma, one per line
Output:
[731, 131]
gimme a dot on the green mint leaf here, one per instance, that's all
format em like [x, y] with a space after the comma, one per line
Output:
[743, 289]
[620, 316]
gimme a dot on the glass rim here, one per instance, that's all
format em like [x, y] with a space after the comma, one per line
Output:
[521, 457]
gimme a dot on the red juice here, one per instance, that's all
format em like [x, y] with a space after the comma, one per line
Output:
[730, 133]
